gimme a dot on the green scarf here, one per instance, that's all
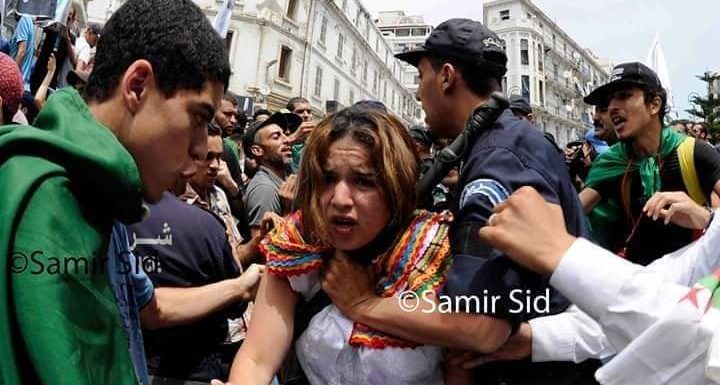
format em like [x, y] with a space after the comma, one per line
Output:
[613, 164]
[62, 184]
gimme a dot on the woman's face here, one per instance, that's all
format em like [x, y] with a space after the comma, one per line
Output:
[351, 200]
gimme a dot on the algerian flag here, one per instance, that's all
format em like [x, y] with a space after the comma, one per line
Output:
[676, 349]
[223, 17]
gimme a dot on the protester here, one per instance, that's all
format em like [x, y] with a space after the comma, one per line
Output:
[261, 115]
[84, 57]
[301, 107]
[356, 202]
[270, 148]
[86, 170]
[651, 168]
[11, 89]
[460, 65]
[193, 319]
[202, 192]
[604, 127]
[658, 319]
[423, 145]
[520, 107]
[22, 47]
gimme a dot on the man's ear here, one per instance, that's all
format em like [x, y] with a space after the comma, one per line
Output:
[448, 76]
[655, 104]
[257, 151]
[135, 83]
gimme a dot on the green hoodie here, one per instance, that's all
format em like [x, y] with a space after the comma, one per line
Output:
[62, 184]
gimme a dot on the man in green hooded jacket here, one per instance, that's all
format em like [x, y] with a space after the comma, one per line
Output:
[89, 163]
[654, 183]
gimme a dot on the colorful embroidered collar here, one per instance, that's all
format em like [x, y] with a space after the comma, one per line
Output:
[418, 262]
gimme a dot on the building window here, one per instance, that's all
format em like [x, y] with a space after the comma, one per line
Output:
[504, 84]
[318, 81]
[402, 32]
[376, 76]
[554, 42]
[555, 71]
[526, 87]
[352, 97]
[228, 40]
[505, 14]
[416, 80]
[385, 91]
[524, 54]
[323, 29]
[341, 45]
[292, 9]
[419, 31]
[365, 71]
[353, 60]
[377, 44]
[540, 57]
[344, 5]
[336, 90]
[284, 66]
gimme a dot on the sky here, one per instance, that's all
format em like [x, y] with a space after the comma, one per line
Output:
[620, 30]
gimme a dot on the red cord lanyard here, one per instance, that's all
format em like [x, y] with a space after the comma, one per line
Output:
[635, 222]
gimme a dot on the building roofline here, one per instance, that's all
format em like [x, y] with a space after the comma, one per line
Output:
[548, 21]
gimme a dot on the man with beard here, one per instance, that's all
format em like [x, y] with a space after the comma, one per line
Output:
[268, 145]
[651, 173]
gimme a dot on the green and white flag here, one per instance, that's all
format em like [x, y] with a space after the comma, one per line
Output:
[677, 348]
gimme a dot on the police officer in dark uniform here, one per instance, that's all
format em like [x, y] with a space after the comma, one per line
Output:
[460, 65]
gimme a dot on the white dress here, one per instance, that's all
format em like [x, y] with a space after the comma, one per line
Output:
[327, 358]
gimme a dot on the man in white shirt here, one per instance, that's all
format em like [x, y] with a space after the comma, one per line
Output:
[660, 328]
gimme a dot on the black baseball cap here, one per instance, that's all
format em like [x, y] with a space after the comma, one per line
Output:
[287, 121]
[467, 41]
[517, 102]
[634, 74]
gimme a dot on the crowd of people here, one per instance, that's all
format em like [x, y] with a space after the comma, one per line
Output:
[153, 232]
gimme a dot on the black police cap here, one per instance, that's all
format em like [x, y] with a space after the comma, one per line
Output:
[465, 40]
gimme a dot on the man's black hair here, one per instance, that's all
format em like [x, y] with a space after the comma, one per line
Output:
[231, 97]
[296, 100]
[241, 122]
[261, 111]
[214, 130]
[650, 94]
[479, 82]
[173, 35]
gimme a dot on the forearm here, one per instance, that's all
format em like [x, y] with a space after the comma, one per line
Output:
[232, 188]
[41, 94]
[426, 325]
[249, 253]
[173, 306]
[568, 336]
[20, 54]
[270, 334]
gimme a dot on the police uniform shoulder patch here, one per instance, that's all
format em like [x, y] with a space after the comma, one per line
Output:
[493, 190]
